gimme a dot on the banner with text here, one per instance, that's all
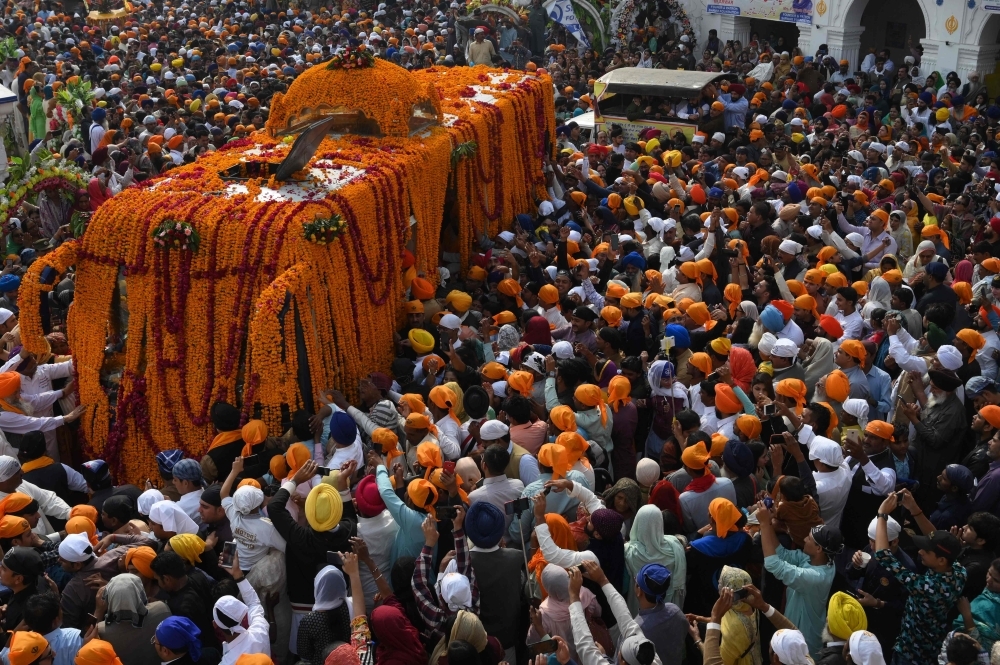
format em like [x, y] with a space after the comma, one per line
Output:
[788, 11]
[561, 11]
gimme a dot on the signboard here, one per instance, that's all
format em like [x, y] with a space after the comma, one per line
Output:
[993, 6]
[788, 11]
[631, 130]
[561, 11]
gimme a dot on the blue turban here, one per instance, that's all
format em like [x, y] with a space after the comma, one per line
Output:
[926, 97]
[738, 457]
[187, 469]
[166, 459]
[772, 319]
[634, 259]
[654, 580]
[485, 524]
[682, 338]
[525, 222]
[9, 283]
[958, 101]
[788, 104]
[808, 58]
[960, 477]
[795, 192]
[993, 112]
[343, 428]
[98, 114]
[937, 270]
[575, 227]
[715, 193]
[179, 633]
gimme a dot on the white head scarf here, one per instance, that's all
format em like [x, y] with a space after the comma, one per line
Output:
[750, 309]
[454, 589]
[790, 647]
[8, 467]
[228, 613]
[865, 649]
[172, 517]
[147, 499]
[248, 498]
[329, 589]
[859, 409]
[125, 593]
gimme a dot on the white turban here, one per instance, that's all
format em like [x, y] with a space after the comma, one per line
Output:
[855, 239]
[766, 344]
[877, 147]
[247, 499]
[172, 517]
[950, 357]
[789, 246]
[783, 348]
[892, 528]
[815, 231]
[5, 314]
[790, 647]
[8, 467]
[865, 649]
[147, 499]
[859, 409]
[454, 589]
[647, 472]
[719, 136]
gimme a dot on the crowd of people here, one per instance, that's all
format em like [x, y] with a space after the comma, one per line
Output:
[744, 373]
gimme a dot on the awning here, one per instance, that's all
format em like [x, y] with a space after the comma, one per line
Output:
[659, 82]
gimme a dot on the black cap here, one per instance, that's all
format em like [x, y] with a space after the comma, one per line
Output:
[829, 538]
[23, 561]
[213, 495]
[585, 313]
[941, 543]
[476, 402]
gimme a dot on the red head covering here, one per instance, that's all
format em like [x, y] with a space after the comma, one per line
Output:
[536, 331]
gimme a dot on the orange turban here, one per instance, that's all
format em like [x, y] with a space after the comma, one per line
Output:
[615, 291]
[574, 444]
[494, 371]
[750, 426]
[512, 288]
[964, 292]
[253, 433]
[421, 289]
[564, 418]
[590, 395]
[84, 510]
[424, 495]
[795, 389]
[973, 339]
[691, 271]
[893, 276]
[837, 386]
[82, 524]
[12, 527]
[726, 400]
[97, 652]
[619, 392]
[724, 515]
[734, 294]
[556, 458]
[611, 314]
[429, 457]
[10, 383]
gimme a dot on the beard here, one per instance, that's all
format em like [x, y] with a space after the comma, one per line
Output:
[24, 405]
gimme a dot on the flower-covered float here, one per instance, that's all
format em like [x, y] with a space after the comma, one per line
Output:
[272, 269]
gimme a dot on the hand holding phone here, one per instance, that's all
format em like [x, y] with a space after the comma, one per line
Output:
[228, 552]
[449, 467]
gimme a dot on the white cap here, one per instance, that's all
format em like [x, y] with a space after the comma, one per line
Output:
[719, 136]
[766, 343]
[698, 138]
[903, 145]
[815, 231]
[856, 155]
[562, 350]
[535, 361]
[506, 236]
[784, 348]
[950, 357]
[741, 172]
[855, 239]
[877, 147]
[796, 121]
[451, 322]
[826, 451]
[76, 548]
[492, 430]
[780, 176]
[892, 527]
[5, 314]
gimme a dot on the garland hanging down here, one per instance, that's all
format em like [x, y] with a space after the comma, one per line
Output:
[229, 321]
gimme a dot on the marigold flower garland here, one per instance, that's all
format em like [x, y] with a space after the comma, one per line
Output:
[201, 325]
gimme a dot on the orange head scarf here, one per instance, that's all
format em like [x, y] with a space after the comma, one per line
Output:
[734, 294]
[414, 401]
[690, 270]
[562, 536]
[973, 339]
[97, 652]
[724, 515]
[445, 398]
[590, 395]
[696, 456]
[619, 392]
[84, 510]
[435, 478]
[80, 524]
[707, 268]
[141, 557]
[964, 292]
[749, 425]
[556, 458]
[295, 457]
[576, 446]
[14, 502]
[429, 457]
[837, 386]
[726, 400]
[424, 495]
[253, 433]
[702, 362]
[10, 383]
[795, 389]
[522, 382]
[808, 303]
[834, 421]
[564, 418]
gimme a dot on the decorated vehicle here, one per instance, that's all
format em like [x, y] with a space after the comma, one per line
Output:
[274, 269]
[615, 91]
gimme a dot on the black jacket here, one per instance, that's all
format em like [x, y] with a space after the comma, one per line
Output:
[305, 552]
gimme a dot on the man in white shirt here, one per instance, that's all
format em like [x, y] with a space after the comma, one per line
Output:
[48, 503]
[877, 241]
[16, 410]
[833, 478]
[37, 380]
[229, 614]
[449, 435]
[497, 488]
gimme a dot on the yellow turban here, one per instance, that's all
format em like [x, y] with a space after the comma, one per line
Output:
[421, 341]
[324, 508]
[188, 546]
[459, 300]
[845, 616]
